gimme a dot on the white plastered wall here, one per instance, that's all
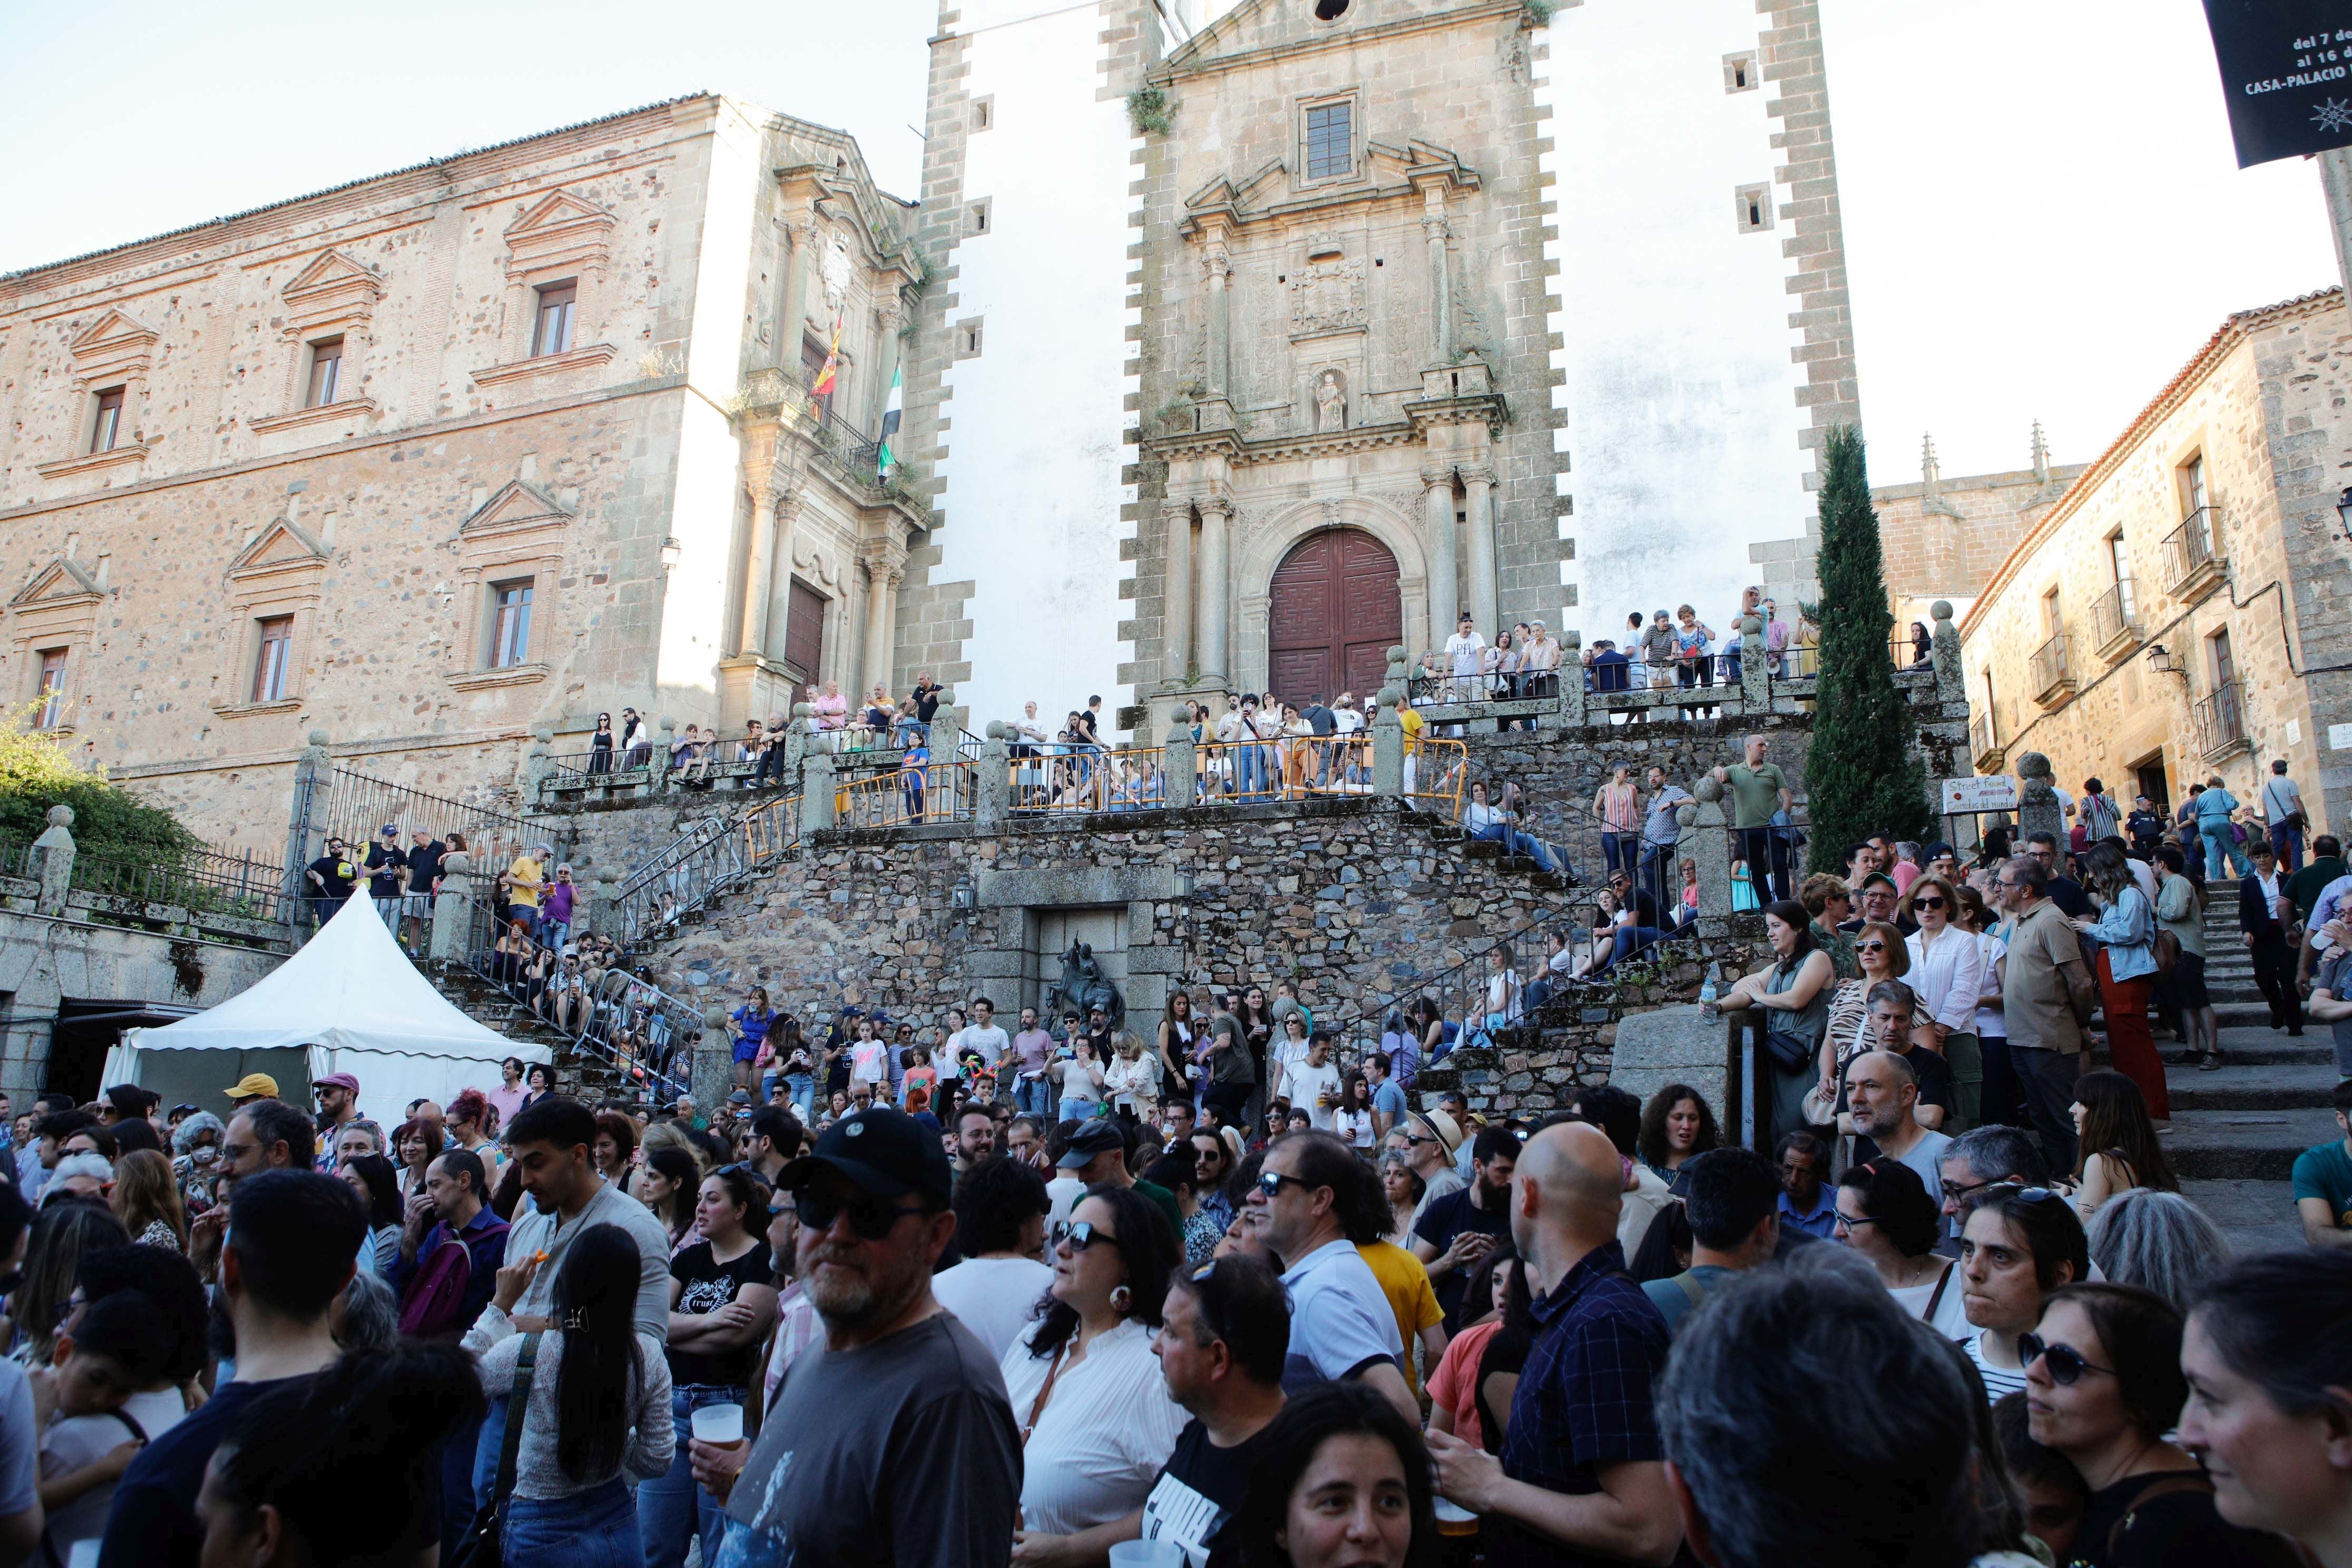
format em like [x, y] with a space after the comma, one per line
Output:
[1680, 391]
[1033, 488]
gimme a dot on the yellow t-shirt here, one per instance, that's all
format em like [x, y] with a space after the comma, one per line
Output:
[525, 868]
[1404, 1280]
[1412, 723]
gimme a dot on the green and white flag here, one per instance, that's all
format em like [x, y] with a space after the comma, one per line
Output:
[887, 460]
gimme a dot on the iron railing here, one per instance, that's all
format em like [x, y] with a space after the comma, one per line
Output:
[841, 445]
[2111, 615]
[1798, 662]
[1081, 781]
[202, 881]
[2049, 666]
[1980, 735]
[704, 860]
[771, 830]
[642, 1033]
[2221, 720]
[2192, 548]
[356, 807]
[15, 857]
[1432, 688]
[585, 770]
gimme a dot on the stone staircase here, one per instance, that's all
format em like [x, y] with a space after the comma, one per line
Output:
[2238, 1130]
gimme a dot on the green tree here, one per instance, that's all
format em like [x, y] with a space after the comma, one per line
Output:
[1863, 775]
[36, 773]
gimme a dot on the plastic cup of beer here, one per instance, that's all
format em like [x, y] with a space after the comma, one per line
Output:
[721, 1425]
[1453, 1520]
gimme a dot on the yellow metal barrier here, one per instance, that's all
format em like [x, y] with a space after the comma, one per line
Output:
[935, 792]
[1432, 776]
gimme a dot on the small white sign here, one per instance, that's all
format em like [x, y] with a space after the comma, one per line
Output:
[2339, 737]
[1997, 791]
[2295, 732]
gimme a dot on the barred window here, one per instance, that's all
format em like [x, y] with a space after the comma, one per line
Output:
[1331, 141]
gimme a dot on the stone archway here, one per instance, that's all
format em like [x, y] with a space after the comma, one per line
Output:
[1334, 608]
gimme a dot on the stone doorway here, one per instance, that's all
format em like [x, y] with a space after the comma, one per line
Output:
[1050, 932]
[1334, 610]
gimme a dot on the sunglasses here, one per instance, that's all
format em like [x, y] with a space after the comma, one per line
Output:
[1077, 1235]
[870, 1218]
[1271, 1183]
[2064, 1362]
[1932, 903]
[1870, 947]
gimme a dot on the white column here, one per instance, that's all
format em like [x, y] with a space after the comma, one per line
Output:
[759, 565]
[1176, 519]
[779, 583]
[884, 562]
[1219, 270]
[1441, 284]
[1216, 518]
[1478, 486]
[1439, 527]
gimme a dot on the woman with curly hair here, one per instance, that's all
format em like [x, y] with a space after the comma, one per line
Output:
[1676, 1126]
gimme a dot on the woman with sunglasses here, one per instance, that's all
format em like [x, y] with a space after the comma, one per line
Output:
[2117, 1143]
[2268, 1356]
[1097, 1422]
[1947, 973]
[2125, 934]
[2103, 1386]
[1879, 948]
[722, 1299]
[2018, 1244]
[1884, 1214]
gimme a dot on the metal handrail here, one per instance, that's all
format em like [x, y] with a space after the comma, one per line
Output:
[637, 1029]
[1088, 780]
[2191, 547]
[2112, 614]
[2221, 719]
[771, 830]
[201, 880]
[2048, 664]
[703, 860]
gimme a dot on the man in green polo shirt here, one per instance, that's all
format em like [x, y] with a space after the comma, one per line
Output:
[2323, 1182]
[1759, 789]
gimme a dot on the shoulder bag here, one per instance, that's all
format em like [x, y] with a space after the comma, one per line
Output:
[479, 1548]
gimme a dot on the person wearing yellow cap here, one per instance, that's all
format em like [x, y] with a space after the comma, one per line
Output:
[252, 1086]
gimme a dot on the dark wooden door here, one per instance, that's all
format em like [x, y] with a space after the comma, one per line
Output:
[1333, 613]
[805, 630]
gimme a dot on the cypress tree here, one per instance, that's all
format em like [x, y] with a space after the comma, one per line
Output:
[1862, 774]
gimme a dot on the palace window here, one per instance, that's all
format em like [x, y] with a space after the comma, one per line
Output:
[108, 427]
[326, 372]
[1331, 141]
[271, 659]
[51, 690]
[553, 333]
[509, 623]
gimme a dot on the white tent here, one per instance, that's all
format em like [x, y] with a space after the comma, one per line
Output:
[350, 1001]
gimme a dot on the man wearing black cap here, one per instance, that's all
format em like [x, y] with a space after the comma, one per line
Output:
[1097, 1156]
[895, 1442]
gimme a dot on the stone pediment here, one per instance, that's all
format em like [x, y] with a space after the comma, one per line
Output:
[518, 507]
[1273, 194]
[331, 288]
[282, 546]
[117, 343]
[559, 229]
[1257, 26]
[62, 583]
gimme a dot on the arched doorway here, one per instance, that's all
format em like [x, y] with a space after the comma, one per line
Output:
[1333, 612]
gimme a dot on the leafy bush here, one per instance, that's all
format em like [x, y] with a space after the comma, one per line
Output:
[37, 773]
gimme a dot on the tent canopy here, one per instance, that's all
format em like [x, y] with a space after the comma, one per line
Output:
[350, 1001]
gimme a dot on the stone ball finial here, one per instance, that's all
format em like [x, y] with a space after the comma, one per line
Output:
[456, 863]
[607, 876]
[998, 729]
[61, 816]
[803, 710]
[714, 1020]
[318, 737]
[1572, 639]
[2034, 765]
[1940, 611]
[1751, 625]
[1709, 788]
[667, 723]
[543, 733]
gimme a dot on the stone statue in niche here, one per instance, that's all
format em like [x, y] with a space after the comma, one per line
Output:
[1331, 402]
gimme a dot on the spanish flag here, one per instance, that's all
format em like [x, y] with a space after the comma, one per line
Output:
[887, 460]
[824, 378]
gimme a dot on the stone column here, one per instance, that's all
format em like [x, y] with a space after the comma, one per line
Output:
[1571, 678]
[817, 793]
[712, 1075]
[1478, 485]
[1705, 838]
[1179, 777]
[1439, 526]
[796, 741]
[1176, 663]
[1441, 283]
[797, 273]
[992, 796]
[1755, 668]
[2038, 810]
[759, 568]
[1219, 270]
[313, 776]
[536, 767]
[1388, 731]
[779, 583]
[1951, 679]
[1211, 589]
[663, 740]
[452, 908]
[591, 915]
[51, 862]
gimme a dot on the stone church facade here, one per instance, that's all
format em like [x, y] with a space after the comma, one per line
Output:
[1345, 316]
[440, 457]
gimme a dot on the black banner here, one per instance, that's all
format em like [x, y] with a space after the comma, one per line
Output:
[2286, 69]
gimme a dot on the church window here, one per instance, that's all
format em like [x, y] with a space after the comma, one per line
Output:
[1330, 10]
[271, 659]
[968, 338]
[983, 112]
[553, 333]
[977, 218]
[108, 427]
[1739, 73]
[1753, 206]
[1331, 140]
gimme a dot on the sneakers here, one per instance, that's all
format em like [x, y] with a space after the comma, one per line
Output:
[2211, 1062]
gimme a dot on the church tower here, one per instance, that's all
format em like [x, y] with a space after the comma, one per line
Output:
[1256, 341]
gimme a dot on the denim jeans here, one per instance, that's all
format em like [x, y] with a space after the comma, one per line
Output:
[1034, 1097]
[803, 1088]
[1652, 875]
[594, 1528]
[2219, 846]
[1514, 842]
[1629, 940]
[672, 1509]
[2286, 844]
[1617, 850]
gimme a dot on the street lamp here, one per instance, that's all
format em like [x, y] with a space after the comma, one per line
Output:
[2160, 659]
[2343, 510]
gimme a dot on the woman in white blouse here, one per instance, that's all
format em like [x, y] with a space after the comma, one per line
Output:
[1130, 1079]
[1947, 973]
[1096, 1423]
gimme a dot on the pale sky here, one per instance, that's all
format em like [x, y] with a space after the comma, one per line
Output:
[2044, 218]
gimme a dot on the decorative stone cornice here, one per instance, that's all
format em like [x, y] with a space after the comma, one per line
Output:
[333, 291]
[63, 583]
[558, 231]
[518, 507]
[1243, 453]
[114, 347]
[91, 462]
[1393, 174]
[544, 364]
[356, 408]
[285, 546]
